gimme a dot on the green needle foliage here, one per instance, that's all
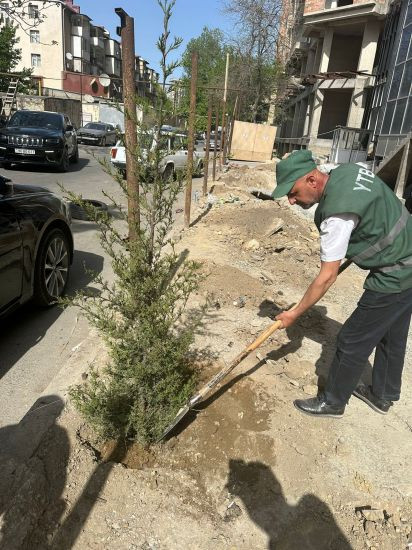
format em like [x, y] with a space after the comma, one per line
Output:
[10, 55]
[143, 315]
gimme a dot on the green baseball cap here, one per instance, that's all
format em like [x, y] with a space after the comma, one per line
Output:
[296, 165]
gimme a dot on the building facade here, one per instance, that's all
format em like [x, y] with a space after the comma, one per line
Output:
[67, 52]
[389, 109]
[331, 58]
[146, 79]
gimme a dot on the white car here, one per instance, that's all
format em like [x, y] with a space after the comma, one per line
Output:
[174, 160]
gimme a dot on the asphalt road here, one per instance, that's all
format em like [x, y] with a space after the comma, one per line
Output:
[36, 344]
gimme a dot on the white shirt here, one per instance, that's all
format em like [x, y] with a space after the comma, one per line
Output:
[335, 233]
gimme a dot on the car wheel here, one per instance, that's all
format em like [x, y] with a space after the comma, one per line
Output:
[103, 142]
[78, 213]
[168, 172]
[52, 268]
[75, 157]
[64, 163]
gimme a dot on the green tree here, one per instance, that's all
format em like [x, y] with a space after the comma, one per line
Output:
[256, 26]
[10, 56]
[211, 52]
[142, 316]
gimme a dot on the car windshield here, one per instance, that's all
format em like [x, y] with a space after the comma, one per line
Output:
[36, 120]
[94, 126]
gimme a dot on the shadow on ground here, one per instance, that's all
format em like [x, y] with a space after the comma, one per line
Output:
[34, 455]
[309, 525]
[314, 325]
[73, 167]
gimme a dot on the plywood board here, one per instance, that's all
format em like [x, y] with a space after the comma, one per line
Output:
[252, 141]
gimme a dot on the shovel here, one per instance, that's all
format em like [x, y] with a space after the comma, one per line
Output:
[226, 370]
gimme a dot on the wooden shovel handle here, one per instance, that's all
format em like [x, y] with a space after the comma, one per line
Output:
[267, 332]
[265, 335]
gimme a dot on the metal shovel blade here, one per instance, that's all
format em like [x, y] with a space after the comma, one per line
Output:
[183, 412]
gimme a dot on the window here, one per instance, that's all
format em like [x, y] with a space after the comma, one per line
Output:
[35, 60]
[404, 45]
[407, 79]
[33, 11]
[396, 81]
[35, 37]
[398, 117]
[407, 121]
[388, 117]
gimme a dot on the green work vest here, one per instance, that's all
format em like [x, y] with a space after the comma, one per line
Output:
[382, 240]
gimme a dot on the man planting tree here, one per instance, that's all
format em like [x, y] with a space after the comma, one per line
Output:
[360, 218]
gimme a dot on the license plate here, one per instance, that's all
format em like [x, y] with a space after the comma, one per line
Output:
[25, 151]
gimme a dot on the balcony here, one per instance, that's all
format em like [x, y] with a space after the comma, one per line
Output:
[98, 62]
[112, 48]
[333, 13]
[97, 41]
[80, 47]
[113, 66]
[83, 31]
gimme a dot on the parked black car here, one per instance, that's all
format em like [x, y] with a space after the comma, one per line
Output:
[39, 137]
[36, 245]
[97, 133]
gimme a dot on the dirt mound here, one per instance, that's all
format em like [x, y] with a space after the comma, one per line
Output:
[258, 177]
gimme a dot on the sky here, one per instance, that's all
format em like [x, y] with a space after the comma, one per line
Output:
[188, 19]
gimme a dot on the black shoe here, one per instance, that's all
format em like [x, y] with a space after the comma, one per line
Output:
[378, 404]
[318, 406]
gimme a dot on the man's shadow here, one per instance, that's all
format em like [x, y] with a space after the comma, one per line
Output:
[34, 455]
[314, 325]
[309, 525]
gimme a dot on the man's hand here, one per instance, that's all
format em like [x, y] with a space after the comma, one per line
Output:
[287, 318]
[319, 286]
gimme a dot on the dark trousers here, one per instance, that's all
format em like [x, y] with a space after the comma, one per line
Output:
[380, 321]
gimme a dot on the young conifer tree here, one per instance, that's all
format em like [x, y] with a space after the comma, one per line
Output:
[143, 316]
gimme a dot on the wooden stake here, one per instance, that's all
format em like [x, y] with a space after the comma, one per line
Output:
[191, 139]
[206, 164]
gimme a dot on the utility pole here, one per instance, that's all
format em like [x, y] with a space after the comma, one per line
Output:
[206, 164]
[215, 141]
[191, 140]
[126, 33]
[222, 144]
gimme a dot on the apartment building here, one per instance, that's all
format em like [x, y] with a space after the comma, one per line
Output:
[331, 48]
[66, 51]
[146, 79]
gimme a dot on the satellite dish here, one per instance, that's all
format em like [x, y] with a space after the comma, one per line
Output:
[69, 56]
[89, 98]
[104, 80]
